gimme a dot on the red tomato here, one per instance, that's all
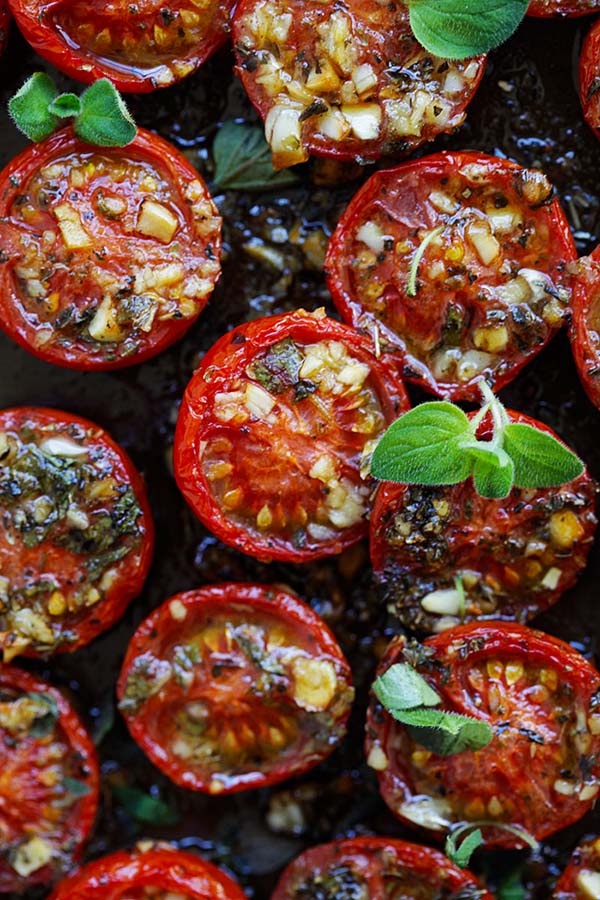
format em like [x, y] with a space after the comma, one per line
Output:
[108, 256]
[346, 81]
[140, 46]
[4, 25]
[375, 868]
[275, 435]
[492, 285]
[160, 872]
[235, 686]
[49, 781]
[585, 324]
[514, 557]
[540, 770]
[581, 878]
[546, 8]
[589, 77]
[77, 534]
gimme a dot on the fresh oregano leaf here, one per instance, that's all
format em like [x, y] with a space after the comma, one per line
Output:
[459, 847]
[444, 733]
[144, 808]
[401, 687]
[45, 722]
[65, 106]
[243, 160]
[457, 29]
[29, 108]
[460, 854]
[539, 459]
[104, 119]
[493, 472]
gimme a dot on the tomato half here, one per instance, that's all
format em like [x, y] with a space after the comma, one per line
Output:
[235, 686]
[491, 286]
[581, 878]
[349, 82]
[140, 46]
[158, 872]
[585, 324]
[275, 434]
[541, 699]
[77, 534]
[545, 8]
[514, 557]
[589, 77]
[375, 868]
[49, 781]
[108, 256]
[4, 25]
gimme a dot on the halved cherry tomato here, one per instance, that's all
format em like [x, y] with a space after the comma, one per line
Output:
[108, 256]
[140, 46]
[541, 769]
[348, 82]
[4, 25]
[275, 435]
[585, 323]
[514, 557]
[589, 77]
[375, 868]
[77, 536]
[581, 878]
[546, 8]
[49, 781]
[156, 873]
[235, 686]
[491, 286]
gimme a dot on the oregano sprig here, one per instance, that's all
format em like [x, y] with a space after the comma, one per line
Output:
[464, 840]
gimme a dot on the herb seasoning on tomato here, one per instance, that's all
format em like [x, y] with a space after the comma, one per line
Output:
[275, 434]
[459, 261]
[77, 534]
[544, 8]
[235, 686]
[49, 782]
[581, 878]
[539, 771]
[348, 82]
[108, 255]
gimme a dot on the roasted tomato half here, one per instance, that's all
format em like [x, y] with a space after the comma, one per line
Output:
[345, 81]
[585, 322]
[156, 873]
[545, 8]
[376, 868]
[108, 256]
[77, 535]
[276, 432]
[48, 782]
[589, 77]
[140, 46]
[483, 245]
[4, 25]
[235, 686]
[541, 699]
[581, 878]
[446, 554]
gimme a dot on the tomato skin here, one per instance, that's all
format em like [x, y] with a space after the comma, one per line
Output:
[585, 857]
[160, 867]
[132, 570]
[583, 333]
[547, 8]
[35, 20]
[81, 819]
[478, 543]
[76, 353]
[5, 19]
[164, 627]
[500, 771]
[372, 858]
[339, 271]
[232, 353]
[589, 73]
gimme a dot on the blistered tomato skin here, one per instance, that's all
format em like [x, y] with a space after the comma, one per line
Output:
[4, 25]
[581, 879]
[585, 324]
[589, 78]
[275, 434]
[235, 686]
[140, 47]
[108, 256]
[159, 871]
[548, 8]
[491, 287]
[540, 698]
[350, 83]
[514, 557]
[375, 868]
[77, 536]
[44, 822]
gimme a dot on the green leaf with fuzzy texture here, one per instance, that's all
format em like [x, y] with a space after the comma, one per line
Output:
[29, 107]
[401, 687]
[104, 119]
[460, 854]
[540, 460]
[444, 733]
[458, 29]
[243, 160]
[65, 106]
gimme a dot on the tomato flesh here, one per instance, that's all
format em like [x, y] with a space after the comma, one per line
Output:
[540, 698]
[581, 878]
[77, 537]
[545, 8]
[349, 82]
[233, 687]
[491, 287]
[585, 324]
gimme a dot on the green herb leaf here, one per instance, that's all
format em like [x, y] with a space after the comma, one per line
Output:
[401, 687]
[29, 107]
[460, 854]
[457, 29]
[45, 722]
[76, 788]
[243, 160]
[65, 106]
[512, 887]
[464, 839]
[540, 460]
[444, 733]
[104, 119]
[144, 808]
[493, 473]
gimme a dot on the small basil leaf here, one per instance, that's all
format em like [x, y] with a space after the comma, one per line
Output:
[540, 460]
[243, 160]
[104, 119]
[144, 808]
[424, 447]
[45, 722]
[493, 473]
[460, 854]
[29, 107]
[457, 29]
[65, 105]
[401, 687]
[444, 733]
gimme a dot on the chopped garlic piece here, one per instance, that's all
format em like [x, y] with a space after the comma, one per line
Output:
[155, 220]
